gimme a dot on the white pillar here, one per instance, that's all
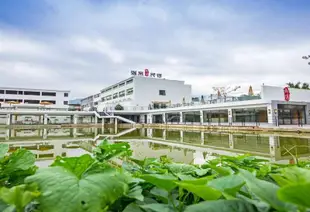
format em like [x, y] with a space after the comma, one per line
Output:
[164, 118]
[149, 132]
[201, 117]
[274, 146]
[96, 120]
[149, 118]
[74, 132]
[181, 117]
[45, 119]
[44, 133]
[164, 134]
[202, 138]
[7, 134]
[115, 125]
[111, 120]
[272, 113]
[230, 116]
[75, 119]
[181, 136]
[231, 141]
[8, 119]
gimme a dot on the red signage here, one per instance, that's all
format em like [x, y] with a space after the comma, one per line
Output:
[146, 72]
[287, 94]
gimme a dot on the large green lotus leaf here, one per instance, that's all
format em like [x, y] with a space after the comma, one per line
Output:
[18, 196]
[180, 168]
[297, 194]
[203, 191]
[133, 207]
[222, 206]
[4, 148]
[166, 182]
[292, 175]
[229, 184]
[77, 165]
[61, 190]
[157, 207]
[264, 190]
[21, 159]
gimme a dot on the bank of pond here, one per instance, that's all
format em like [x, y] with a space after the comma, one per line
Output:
[111, 180]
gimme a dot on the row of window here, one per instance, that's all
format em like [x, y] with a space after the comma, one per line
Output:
[30, 93]
[118, 86]
[31, 101]
[128, 92]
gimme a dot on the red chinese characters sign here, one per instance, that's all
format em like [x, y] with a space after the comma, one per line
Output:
[287, 94]
[145, 73]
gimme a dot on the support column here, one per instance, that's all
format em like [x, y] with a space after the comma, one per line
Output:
[164, 134]
[202, 138]
[7, 134]
[181, 136]
[96, 120]
[74, 132]
[230, 117]
[272, 113]
[231, 141]
[115, 125]
[164, 118]
[8, 119]
[111, 120]
[75, 119]
[274, 146]
[44, 133]
[45, 119]
[149, 118]
[201, 117]
[181, 117]
[149, 132]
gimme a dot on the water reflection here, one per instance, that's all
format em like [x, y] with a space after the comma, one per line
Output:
[181, 146]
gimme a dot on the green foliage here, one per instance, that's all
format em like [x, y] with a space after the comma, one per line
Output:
[86, 183]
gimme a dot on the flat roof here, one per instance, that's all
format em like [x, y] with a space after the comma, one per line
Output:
[33, 89]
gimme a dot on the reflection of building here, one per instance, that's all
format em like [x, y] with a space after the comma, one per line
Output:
[34, 99]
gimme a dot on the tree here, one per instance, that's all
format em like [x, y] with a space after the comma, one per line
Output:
[305, 86]
[119, 107]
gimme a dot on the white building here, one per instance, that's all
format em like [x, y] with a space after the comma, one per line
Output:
[144, 92]
[29, 98]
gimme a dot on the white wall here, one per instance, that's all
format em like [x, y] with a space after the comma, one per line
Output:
[277, 93]
[146, 90]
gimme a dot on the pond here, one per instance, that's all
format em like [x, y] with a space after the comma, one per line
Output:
[182, 146]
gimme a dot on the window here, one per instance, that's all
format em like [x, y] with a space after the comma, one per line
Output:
[121, 94]
[129, 91]
[32, 93]
[162, 93]
[65, 94]
[115, 96]
[122, 84]
[20, 92]
[129, 81]
[29, 101]
[108, 97]
[14, 100]
[103, 99]
[50, 101]
[1, 91]
[10, 92]
[48, 93]
[114, 87]
[65, 102]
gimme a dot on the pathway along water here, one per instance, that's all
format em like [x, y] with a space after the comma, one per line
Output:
[181, 146]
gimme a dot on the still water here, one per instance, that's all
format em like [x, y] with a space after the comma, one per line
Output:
[182, 146]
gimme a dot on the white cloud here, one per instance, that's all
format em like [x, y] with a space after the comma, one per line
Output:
[86, 46]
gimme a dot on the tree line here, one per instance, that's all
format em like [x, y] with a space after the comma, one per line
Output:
[298, 85]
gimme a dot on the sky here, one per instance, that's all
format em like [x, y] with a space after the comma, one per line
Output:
[86, 45]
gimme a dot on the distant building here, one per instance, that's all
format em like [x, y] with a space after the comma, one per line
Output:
[144, 92]
[75, 105]
[90, 102]
[30, 98]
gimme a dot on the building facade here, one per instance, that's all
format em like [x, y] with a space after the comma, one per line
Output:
[273, 107]
[29, 98]
[144, 92]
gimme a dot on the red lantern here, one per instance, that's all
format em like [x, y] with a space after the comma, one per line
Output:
[287, 94]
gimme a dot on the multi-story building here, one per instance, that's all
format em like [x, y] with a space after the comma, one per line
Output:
[90, 102]
[30, 98]
[144, 92]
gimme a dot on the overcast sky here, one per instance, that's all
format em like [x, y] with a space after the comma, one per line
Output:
[85, 45]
